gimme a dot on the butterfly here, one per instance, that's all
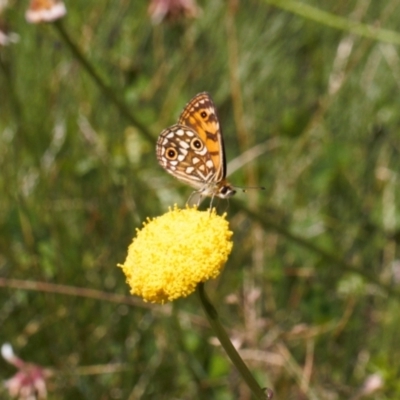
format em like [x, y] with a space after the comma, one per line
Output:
[193, 149]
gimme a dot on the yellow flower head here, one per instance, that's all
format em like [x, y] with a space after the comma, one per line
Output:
[171, 254]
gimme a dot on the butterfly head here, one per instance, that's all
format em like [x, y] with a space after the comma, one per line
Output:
[225, 191]
[222, 190]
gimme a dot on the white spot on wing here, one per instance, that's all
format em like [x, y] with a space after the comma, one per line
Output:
[209, 164]
[203, 151]
[184, 144]
[189, 170]
[195, 160]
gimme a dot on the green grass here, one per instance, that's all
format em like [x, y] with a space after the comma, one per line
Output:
[311, 290]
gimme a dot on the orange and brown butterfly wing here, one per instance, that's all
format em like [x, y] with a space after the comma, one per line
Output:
[200, 115]
[183, 154]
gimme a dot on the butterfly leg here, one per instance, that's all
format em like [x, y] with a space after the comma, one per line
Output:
[212, 199]
[195, 199]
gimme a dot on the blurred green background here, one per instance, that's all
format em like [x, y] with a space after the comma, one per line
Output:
[310, 294]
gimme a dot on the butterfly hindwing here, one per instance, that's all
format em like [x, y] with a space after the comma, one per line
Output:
[183, 153]
[200, 114]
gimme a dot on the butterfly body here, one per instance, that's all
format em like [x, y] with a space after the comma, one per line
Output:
[193, 149]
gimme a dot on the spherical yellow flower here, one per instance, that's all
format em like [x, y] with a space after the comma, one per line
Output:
[171, 254]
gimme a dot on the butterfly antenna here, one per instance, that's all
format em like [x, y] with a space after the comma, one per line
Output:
[246, 188]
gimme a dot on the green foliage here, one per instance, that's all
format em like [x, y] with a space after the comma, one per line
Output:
[310, 292]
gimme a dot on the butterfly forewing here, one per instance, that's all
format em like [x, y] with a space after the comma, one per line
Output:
[200, 114]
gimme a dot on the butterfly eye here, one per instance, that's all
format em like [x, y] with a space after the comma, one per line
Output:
[171, 154]
[203, 115]
[196, 144]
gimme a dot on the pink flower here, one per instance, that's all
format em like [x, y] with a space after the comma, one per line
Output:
[29, 382]
[160, 10]
[45, 11]
[6, 36]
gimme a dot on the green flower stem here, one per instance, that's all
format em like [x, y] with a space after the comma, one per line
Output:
[315, 14]
[107, 90]
[219, 330]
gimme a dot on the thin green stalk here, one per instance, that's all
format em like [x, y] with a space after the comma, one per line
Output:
[107, 90]
[334, 21]
[226, 343]
[269, 224]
